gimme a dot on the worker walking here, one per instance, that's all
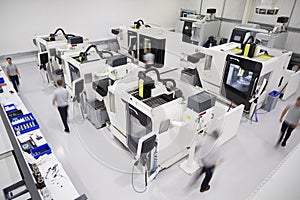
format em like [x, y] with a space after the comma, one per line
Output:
[61, 100]
[13, 73]
[209, 156]
[291, 121]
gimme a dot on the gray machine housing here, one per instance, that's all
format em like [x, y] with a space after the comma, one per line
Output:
[96, 113]
[201, 101]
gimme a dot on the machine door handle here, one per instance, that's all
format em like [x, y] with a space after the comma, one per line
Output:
[280, 82]
[253, 87]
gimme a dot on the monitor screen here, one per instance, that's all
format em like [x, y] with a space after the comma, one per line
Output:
[74, 72]
[239, 78]
[237, 38]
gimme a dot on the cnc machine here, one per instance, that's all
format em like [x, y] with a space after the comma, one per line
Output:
[223, 70]
[168, 111]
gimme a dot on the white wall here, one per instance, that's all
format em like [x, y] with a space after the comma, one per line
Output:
[218, 4]
[295, 19]
[226, 28]
[192, 5]
[234, 9]
[285, 9]
[21, 20]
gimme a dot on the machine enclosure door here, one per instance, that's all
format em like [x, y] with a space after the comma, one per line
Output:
[138, 125]
[240, 79]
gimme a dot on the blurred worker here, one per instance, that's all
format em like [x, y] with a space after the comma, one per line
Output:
[209, 156]
[61, 100]
[13, 73]
[291, 121]
[148, 58]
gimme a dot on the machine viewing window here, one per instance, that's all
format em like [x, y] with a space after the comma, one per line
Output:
[43, 47]
[75, 74]
[157, 48]
[43, 58]
[239, 78]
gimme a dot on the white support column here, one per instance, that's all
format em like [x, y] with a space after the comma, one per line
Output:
[247, 11]
[190, 165]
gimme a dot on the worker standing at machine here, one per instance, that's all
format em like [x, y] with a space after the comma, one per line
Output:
[148, 58]
[13, 73]
[292, 112]
[61, 100]
[209, 156]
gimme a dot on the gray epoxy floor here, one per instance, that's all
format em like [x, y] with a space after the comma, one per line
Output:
[100, 167]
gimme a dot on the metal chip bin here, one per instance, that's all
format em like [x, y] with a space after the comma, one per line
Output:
[58, 74]
[96, 113]
[201, 101]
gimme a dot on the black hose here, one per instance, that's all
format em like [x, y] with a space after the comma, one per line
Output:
[91, 46]
[108, 52]
[164, 81]
[142, 74]
[52, 35]
[59, 29]
[140, 21]
[83, 55]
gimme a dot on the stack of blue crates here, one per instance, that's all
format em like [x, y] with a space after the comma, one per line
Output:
[27, 123]
[24, 124]
[40, 150]
[10, 108]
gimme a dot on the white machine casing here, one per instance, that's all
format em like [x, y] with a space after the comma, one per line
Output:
[202, 30]
[266, 37]
[211, 68]
[185, 124]
[89, 68]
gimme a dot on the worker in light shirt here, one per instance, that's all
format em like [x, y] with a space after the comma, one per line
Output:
[13, 73]
[291, 121]
[60, 99]
[209, 156]
[148, 58]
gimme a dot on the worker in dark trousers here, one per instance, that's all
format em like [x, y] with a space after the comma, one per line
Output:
[291, 121]
[13, 73]
[61, 100]
[209, 158]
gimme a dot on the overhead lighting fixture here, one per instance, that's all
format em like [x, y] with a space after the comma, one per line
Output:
[267, 7]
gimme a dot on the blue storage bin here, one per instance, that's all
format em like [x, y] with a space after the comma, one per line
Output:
[10, 108]
[1, 80]
[40, 150]
[29, 124]
[271, 100]
[274, 93]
